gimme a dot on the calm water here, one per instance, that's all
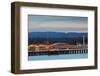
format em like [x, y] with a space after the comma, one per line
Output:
[55, 57]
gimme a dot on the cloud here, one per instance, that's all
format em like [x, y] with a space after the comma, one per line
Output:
[53, 23]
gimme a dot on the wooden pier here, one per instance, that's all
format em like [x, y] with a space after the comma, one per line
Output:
[59, 52]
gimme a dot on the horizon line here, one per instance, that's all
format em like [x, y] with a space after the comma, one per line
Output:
[61, 31]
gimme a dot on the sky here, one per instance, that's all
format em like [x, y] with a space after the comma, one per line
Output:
[40, 23]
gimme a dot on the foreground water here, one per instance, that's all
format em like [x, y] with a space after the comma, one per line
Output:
[55, 57]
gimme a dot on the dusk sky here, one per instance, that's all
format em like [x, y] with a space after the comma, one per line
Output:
[41, 23]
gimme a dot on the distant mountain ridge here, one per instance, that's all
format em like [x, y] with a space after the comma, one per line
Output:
[56, 35]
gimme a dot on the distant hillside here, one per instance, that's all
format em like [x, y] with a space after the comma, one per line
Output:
[55, 35]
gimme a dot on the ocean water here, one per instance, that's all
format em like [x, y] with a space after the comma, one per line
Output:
[55, 57]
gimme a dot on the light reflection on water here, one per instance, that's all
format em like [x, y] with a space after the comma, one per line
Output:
[55, 57]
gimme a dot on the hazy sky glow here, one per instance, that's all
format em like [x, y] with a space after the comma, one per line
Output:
[39, 23]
